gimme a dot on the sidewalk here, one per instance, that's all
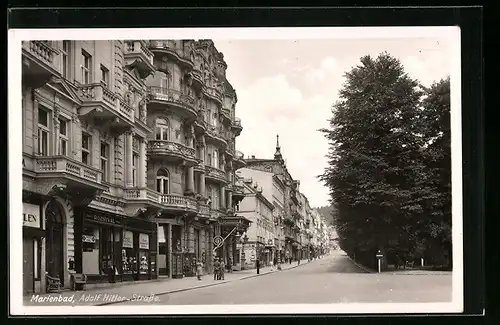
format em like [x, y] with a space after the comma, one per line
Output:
[116, 293]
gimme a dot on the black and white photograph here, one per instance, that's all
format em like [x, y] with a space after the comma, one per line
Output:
[235, 171]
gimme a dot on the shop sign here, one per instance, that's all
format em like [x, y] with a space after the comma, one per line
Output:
[88, 239]
[128, 239]
[143, 241]
[102, 219]
[31, 215]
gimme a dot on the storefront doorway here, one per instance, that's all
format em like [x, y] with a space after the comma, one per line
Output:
[55, 240]
[28, 266]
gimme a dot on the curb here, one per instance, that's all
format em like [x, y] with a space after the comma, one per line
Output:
[203, 285]
[367, 270]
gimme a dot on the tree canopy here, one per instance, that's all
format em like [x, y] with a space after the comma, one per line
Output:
[390, 160]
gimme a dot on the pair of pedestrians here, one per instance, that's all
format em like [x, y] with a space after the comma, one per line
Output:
[219, 268]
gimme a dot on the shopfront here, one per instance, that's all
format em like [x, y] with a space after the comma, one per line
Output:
[114, 248]
[33, 235]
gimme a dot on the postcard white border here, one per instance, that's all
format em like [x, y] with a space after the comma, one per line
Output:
[325, 33]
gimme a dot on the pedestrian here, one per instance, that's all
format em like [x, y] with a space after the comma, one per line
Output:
[216, 268]
[257, 264]
[199, 269]
[230, 265]
[222, 269]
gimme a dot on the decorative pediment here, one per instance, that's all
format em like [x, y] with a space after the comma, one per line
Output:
[61, 86]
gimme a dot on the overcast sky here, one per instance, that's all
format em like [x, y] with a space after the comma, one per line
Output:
[287, 87]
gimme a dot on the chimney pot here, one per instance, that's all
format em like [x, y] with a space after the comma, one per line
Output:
[253, 156]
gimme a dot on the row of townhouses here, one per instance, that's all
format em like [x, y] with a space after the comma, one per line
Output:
[129, 160]
[283, 224]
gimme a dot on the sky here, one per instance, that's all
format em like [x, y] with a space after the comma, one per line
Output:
[287, 87]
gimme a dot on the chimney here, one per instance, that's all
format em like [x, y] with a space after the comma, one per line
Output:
[253, 156]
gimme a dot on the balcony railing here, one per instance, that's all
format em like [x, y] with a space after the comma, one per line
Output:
[142, 194]
[62, 164]
[204, 210]
[139, 47]
[239, 155]
[216, 173]
[173, 47]
[178, 201]
[172, 96]
[237, 122]
[214, 93]
[41, 50]
[170, 147]
[97, 92]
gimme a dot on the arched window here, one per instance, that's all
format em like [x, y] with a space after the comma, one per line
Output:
[162, 129]
[215, 159]
[162, 181]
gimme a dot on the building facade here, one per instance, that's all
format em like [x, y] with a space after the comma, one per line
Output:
[128, 159]
[258, 243]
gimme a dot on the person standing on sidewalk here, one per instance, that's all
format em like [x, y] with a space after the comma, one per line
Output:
[257, 264]
[222, 269]
[230, 266]
[199, 269]
[216, 268]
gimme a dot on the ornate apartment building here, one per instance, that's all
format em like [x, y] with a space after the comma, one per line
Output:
[128, 159]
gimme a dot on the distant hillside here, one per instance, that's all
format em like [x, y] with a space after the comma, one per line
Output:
[326, 212]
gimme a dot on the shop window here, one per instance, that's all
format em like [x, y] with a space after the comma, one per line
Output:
[90, 250]
[162, 181]
[143, 253]
[129, 259]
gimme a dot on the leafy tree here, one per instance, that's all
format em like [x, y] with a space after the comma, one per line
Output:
[376, 172]
[436, 151]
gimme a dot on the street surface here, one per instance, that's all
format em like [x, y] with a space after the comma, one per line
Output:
[331, 279]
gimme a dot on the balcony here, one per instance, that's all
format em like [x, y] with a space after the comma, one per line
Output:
[230, 148]
[38, 63]
[197, 78]
[200, 166]
[238, 191]
[226, 113]
[142, 200]
[214, 94]
[231, 221]
[176, 203]
[293, 196]
[174, 50]
[199, 124]
[103, 108]
[138, 56]
[203, 211]
[172, 151]
[82, 182]
[239, 160]
[236, 126]
[160, 96]
[216, 174]
[216, 134]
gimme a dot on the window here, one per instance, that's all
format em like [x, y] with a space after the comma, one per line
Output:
[162, 181]
[63, 137]
[86, 140]
[43, 132]
[104, 161]
[135, 163]
[104, 75]
[65, 58]
[215, 160]
[162, 129]
[164, 84]
[86, 64]
[209, 159]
